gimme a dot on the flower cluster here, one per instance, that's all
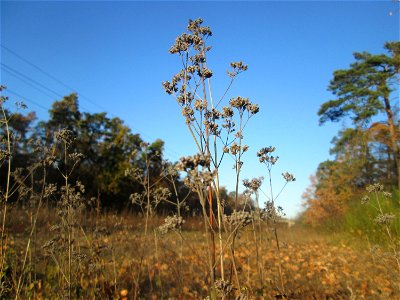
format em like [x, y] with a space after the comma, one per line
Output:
[76, 157]
[237, 67]
[365, 199]
[384, 219]
[135, 173]
[171, 223]
[264, 155]
[195, 38]
[235, 149]
[376, 187]
[199, 179]
[66, 136]
[239, 219]
[242, 104]
[288, 177]
[271, 212]
[160, 194]
[195, 27]
[184, 42]
[137, 198]
[192, 162]
[254, 184]
[223, 287]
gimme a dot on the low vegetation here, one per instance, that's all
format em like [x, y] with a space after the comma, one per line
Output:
[91, 211]
[314, 265]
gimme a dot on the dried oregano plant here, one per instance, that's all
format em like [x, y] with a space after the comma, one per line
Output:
[75, 258]
[19, 187]
[217, 128]
[152, 195]
[375, 198]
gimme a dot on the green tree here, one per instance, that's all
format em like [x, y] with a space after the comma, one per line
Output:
[366, 90]
[18, 131]
[65, 114]
[108, 147]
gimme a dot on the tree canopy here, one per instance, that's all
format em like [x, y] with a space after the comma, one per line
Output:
[366, 152]
[367, 90]
[107, 149]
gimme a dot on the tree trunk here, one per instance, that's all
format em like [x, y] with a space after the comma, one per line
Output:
[394, 138]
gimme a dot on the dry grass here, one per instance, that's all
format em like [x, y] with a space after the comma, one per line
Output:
[313, 266]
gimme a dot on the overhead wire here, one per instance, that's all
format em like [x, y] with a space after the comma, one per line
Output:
[50, 76]
[33, 83]
[26, 79]
[6, 67]
[26, 99]
[28, 83]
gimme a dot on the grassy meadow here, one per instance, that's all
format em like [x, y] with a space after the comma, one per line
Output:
[115, 258]
[89, 210]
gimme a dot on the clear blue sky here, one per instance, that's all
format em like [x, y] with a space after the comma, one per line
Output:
[115, 54]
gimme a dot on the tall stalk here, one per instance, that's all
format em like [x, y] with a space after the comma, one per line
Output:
[6, 194]
[211, 128]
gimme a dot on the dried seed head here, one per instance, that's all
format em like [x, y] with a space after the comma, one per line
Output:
[227, 112]
[49, 190]
[239, 102]
[253, 184]
[204, 72]
[265, 150]
[200, 105]
[365, 199]
[253, 108]
[169, 88]
[171, 223]
[265, 157]
[65, 135]
[239, 219]
[387, 194]
[4, 155]
[384, 219]
[76, 156]
[376, 187]
[288, 177]
[192, 162]
[235, 148]
[223, 287]
[237, 67]
[136, 198]
[187, 112]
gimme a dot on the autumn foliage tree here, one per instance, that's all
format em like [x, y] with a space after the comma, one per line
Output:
[368, 151]
[366, 90]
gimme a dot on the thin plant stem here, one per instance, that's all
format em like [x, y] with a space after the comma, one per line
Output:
[6, 194]
[33, 228]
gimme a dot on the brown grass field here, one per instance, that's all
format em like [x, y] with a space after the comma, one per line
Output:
[170, 266]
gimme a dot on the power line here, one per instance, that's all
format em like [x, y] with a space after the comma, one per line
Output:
[35, 66]
[26, 99]
[28, 81]
[5, 67]
[171, 152]
[52, 77]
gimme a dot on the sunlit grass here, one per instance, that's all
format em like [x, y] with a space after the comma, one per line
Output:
[313, 266]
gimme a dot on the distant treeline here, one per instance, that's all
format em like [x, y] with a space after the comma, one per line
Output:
[367, 150]
[107, 149]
